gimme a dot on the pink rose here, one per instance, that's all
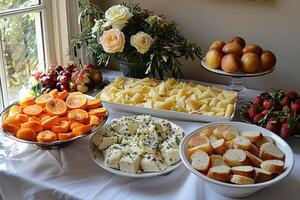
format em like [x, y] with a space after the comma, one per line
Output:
[112, 41]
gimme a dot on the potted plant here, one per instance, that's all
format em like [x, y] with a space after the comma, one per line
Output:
[142, 43]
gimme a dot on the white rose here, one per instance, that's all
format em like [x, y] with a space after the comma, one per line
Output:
[96, 27]
[112, 41]
[117, 16]
[141, 41]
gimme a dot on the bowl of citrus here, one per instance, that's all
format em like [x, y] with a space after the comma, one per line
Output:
[54, 119]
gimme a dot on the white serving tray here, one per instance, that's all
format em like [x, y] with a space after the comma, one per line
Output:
[168, 114]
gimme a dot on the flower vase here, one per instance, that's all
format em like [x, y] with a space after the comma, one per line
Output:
[133, 70]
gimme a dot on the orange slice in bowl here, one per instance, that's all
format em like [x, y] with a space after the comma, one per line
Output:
[75, 101]
[34, 125]
[26, 134]
[33, 110]
[56, 106]
[27, 101]
[63, 95]
[81, 130]
[43, 99]
[49, 122]
[99, 112]
[65, 136]
[93, 103]
[78, 115]
[54, 93]
[46, 136]
[14, 110]
[62, 127]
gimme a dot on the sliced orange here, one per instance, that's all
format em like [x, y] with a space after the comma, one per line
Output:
[81, 130]
[13, 121]
[34, 125]
[78, 115]
[63, 95]
[43, 99]
[27, 101]
[99, 112]
[26, 134]
[62, 127]
[54, 93]
[75, 125]
[93, 103]
[22, 118]
[14, 110]
[34, 118]
[94, 120]
[33, 110]
[65, 136]
[75, 101]
[46, 136]
[45, 118]
[56, 107]
[51, 121]
[40, 116]
[10, 128]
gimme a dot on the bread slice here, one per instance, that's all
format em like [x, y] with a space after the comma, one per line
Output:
[254, 150]
[219, 146]
[255, 161]
[230, 133]
[200, 160]
[219, 130]
[216, 160]
[197, 140]
[241, 180]
[263, 140]
[205, 146]
[270, 151]
[220, 173]
[246, 170]
[206, 132]
[241, 142]
[235, 157]
[229, 144]
[253, 136]
[274, 166]
[212, 138]
[262, 175]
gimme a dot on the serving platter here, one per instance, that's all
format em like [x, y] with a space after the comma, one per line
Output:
[48, 145]
[96, 155]
[238, 74]
[169, 114]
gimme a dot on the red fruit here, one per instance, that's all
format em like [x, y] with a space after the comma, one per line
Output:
[283, 120]
[285, 101]
[286, 130]
[264, 112]
[267, 104]
[97, 78]
[295, 106]
[37, 74]
[273, 126]
[293, 95]
[252, 112]
[63, 79]
[257, 118]
[258, 101]
[89, 66]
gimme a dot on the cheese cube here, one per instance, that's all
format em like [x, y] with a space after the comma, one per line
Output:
[152, 163]
[106, 142]
[170, 155]
[112, 156]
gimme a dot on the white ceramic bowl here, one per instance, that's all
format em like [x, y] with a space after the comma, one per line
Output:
[232, 190]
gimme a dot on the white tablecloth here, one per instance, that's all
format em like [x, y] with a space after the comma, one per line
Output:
[69, 173]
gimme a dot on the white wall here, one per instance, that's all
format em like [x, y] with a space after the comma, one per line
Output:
[274, 24]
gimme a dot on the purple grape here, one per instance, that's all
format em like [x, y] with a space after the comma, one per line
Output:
[70, 67]
[43, 90]
[59, 68]
[63, 79]
[61, 73]
[64, 87]
[45, 80]
[47, 90]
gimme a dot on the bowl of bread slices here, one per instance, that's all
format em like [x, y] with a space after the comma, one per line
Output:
[236, 159]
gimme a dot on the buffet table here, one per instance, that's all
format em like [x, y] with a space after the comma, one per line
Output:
[69, 173]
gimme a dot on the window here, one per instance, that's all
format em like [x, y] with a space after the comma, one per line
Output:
[22, 44]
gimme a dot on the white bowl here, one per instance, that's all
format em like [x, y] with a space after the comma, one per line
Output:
[232, 190]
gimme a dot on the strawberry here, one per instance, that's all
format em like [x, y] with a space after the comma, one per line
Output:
[267, 104]
[273, 126]
[286, 130]
[252, 112]
[295, 106]
[283, 120]
[257, 118]
[285, 101]
[293, 95]
[258, 100]
[264, 112]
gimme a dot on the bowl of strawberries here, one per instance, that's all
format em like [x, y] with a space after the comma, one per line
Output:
[277, 111]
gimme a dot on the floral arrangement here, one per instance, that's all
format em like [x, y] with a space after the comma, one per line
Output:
[131, 34]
